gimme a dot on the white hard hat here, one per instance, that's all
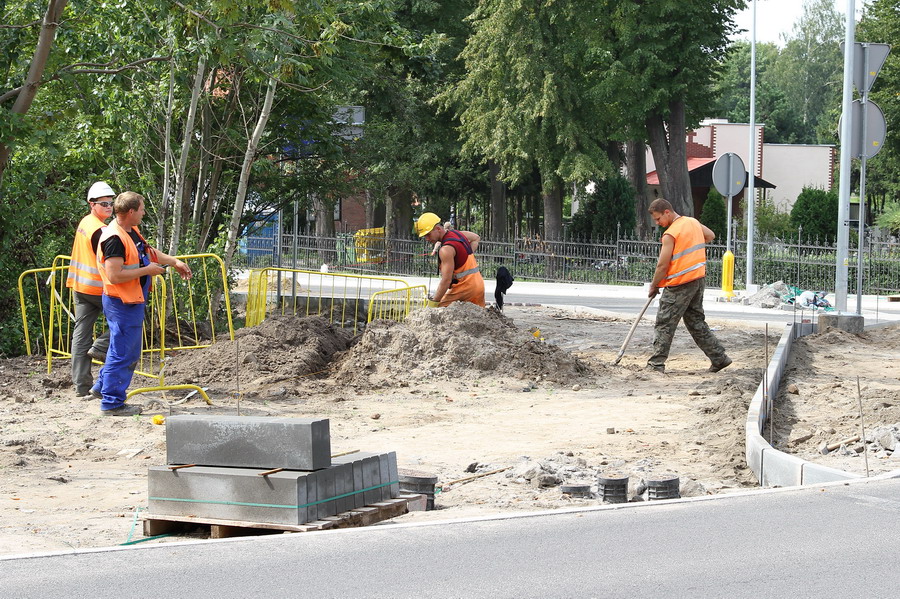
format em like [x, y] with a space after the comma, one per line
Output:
[100, 190]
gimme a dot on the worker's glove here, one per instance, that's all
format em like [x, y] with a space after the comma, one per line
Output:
[429, 303]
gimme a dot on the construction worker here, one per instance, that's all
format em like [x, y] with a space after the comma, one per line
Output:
[460, 280]
[87, 287]
[127, 265]
[681, 272]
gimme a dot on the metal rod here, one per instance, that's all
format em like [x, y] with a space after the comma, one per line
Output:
[769, 402]
[862, 427]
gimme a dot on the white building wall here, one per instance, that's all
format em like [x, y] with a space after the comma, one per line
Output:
[792, 167]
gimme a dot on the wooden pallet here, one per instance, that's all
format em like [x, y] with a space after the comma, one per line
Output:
[893, 298]
[159, 524]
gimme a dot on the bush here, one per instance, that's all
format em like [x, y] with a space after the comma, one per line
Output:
[714, 214]
[816, 210]
[890, 218]
[605, 210]
[772, 222]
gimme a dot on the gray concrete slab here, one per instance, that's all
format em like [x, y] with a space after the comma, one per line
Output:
[384, 476]
[249, 441]
[326, 491]
[226, 493]
[371, 478]
[393, 475]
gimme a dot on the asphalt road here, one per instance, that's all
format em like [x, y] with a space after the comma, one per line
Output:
[837, 540]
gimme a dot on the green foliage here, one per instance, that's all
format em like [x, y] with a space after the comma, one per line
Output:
[714, 214]
[890, 217]
[816, 211]
[772, 222]
[606, 211]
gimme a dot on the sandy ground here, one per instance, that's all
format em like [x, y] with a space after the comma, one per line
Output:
[454, 393]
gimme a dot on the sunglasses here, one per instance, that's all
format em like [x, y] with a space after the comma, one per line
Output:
[104, 204]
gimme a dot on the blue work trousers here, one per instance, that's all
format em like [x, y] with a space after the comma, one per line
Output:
[126, 322]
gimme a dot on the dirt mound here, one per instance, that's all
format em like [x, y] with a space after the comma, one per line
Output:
[278, 348]
[459, 340]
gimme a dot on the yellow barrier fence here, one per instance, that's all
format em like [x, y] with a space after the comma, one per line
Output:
[396, 304]
[369, 245]
[338, 297]
[180, 314]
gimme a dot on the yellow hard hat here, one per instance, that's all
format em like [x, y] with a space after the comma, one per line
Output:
[426, 223]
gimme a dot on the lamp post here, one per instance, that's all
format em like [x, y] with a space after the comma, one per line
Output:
[751, 177]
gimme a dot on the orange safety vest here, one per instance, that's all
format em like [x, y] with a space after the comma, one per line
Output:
[689, 254]
[468, 284]
[129, 292]
[84, 277]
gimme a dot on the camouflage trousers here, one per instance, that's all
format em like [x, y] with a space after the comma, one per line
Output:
[684, 302]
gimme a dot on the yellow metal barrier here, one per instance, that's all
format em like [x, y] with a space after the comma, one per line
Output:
[190, 307]
[369, 245]
[338, 297]
[39, 305]
[396, 304]
[728, 274]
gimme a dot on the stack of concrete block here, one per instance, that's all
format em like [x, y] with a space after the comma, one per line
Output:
[229, 454]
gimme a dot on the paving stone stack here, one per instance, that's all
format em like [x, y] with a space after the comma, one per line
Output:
[227, 455]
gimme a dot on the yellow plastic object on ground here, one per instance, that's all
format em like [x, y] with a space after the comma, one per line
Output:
[369, 245]
[728, 274]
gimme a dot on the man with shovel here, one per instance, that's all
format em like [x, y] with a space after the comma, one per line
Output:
[461, 279]
[681, 272]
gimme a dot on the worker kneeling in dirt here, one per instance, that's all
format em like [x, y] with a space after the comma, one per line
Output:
[461, 280]
[681, 272]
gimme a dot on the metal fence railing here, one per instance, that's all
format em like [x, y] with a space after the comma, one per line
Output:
[621, 261]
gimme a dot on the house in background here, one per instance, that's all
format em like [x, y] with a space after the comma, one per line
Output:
[782, 170]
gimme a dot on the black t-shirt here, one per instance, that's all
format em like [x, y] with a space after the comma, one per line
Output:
[114, 248]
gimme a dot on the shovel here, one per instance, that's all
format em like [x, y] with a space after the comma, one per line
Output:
[633, 327]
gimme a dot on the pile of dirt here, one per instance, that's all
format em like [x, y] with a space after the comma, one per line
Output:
[454, 342]
[278, 348]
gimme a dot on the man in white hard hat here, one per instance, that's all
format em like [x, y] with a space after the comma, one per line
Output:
[461, 280]
[87, 287]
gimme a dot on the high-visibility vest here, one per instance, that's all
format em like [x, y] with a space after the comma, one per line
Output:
[130, 292]
[689, 254]
[84, 276]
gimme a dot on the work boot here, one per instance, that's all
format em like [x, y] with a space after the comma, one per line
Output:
[123, 410]
[724, 364]
[661, 368]
[96, 355]
[95, 393]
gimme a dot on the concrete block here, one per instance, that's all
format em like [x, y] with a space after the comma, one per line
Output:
[312, 496]
[343, 485]
[371, 478]
[780, 469]
[228, 494]
[326, 491]
[249, 442]
[852, 323]
[393, 474]
[814, 474]
[384, 476]
[353, 462]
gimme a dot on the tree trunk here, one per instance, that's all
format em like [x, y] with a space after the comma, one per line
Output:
[552, 195]
[249, 156]
[181, 173]
[636, 168]
[162, 213]
[212, 195]
[203, 172]
[370, 210]
[670, 154]
[36, 69]
[499, 225]
[404, 214]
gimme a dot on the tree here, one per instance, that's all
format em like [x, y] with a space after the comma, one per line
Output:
[607, 210]
[809, 70]
[733, 92]
[816, 210]
[525, 102]
[881, 24]
[665, 56]
[714, 214]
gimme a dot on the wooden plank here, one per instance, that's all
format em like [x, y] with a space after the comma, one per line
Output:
[156, 524]
[893, 298]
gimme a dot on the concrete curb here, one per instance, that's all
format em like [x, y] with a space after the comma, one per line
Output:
[774, 468]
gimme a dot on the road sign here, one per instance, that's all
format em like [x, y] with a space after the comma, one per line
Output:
[863, 77]
[872, 138]
[729, 175]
